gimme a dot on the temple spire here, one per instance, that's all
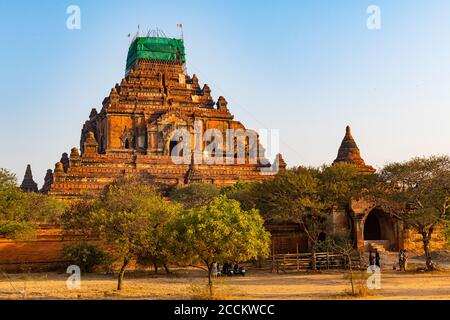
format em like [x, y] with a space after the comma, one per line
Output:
[28, 184]
[48, 180]
[348, 132]
[349, 153]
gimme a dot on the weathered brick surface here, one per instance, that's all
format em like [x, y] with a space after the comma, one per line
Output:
[43, 252]
[349, 152]
[132, 133]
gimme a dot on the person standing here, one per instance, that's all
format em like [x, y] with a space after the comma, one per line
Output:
[371, 258]
[377, 259]
[214, 270]
[400, 260]
[405, 260]
[226, 268]
[236, 269]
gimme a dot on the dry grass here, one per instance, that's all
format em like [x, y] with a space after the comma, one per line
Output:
[358, 284]
[222, 290]
[191, 284]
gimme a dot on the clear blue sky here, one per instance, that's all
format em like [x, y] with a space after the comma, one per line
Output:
[308, 68]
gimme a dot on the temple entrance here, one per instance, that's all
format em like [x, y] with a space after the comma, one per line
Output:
[379, 230]
[372, 229]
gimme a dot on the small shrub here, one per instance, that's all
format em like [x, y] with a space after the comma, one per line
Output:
[222, 290]
[17, 230]
[358, 283]
[86, 256]
[199, 291]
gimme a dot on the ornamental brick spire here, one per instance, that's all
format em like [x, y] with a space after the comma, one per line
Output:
[48, 180]
[349, 153]
[280, 162]
[28, 184]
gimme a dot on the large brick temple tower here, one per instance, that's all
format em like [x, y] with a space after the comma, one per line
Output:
[133, 131]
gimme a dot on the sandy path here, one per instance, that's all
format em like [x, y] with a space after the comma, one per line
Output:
[330, 285]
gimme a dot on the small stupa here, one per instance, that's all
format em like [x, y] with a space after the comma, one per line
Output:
[349, 153]
[28, 184]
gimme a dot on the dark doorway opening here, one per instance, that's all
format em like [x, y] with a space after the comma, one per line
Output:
[322, 236]
[372, 229]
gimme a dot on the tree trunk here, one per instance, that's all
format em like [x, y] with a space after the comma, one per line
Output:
[210, 284]
[426, 248]
[126, 261]
[167, 269]
[351, 272]
[155, 266]
[313, 257]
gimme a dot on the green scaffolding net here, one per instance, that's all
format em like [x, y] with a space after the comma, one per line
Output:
[165, 49]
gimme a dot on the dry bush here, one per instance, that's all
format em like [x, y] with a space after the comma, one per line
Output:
[358, 283]
[221, 290]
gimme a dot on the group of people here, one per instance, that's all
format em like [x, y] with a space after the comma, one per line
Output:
[403, 259]
[374, 259]
[227, 269]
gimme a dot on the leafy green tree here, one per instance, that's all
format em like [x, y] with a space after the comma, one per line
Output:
[44, 209]
[85, 255]
[341, 182]
[20, 212]
[307, 196]
[162, 248]
[421, 189]
[221, 231]
[293, 196]
[247, 193]
[130, 216]
[77, 219]
[13, 220]
[194, 195]
[7, 179]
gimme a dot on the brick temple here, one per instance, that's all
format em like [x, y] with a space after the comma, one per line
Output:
[134, 130]
[134, 133]
[372, 222]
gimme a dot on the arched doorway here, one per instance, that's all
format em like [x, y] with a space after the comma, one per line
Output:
[372, 230]
[379, 229]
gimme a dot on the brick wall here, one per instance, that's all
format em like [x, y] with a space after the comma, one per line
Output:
[42, 253]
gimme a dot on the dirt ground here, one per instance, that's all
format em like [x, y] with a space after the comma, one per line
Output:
[191, 285]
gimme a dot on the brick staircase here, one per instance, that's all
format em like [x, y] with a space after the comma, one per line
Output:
[376, 247]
